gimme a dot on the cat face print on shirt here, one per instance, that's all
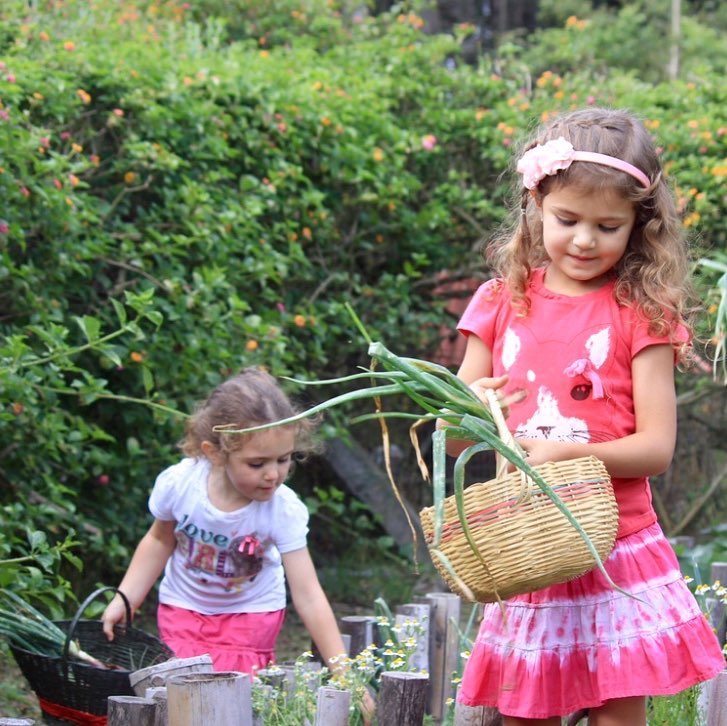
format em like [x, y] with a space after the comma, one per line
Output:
[564, 379]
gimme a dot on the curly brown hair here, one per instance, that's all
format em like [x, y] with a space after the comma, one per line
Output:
[251, 398]
[653, 275]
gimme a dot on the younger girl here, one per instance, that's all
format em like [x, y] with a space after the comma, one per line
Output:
[580, 332]
[227, 532]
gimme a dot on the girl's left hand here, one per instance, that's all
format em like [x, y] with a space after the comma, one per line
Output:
[368, 708]
[541, 450]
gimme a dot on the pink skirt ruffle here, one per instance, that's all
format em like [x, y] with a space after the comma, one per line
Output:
[243, 642]
[581, 643]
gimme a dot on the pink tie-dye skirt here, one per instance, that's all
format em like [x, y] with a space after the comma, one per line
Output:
[581, 643]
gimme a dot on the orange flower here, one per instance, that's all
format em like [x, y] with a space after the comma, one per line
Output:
[73, 179]
[307, 233]
[130, 177]
[136, 357]
[77, 148]
[44, 36]
[299, 320]
[251, 345]
[378, 154]
[69, 45]
[17, 408]
[84, 96]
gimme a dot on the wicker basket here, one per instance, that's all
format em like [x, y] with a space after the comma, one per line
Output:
[68, 688]
[523, 541]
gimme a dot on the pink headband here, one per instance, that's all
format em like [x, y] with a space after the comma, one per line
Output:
[549, 158]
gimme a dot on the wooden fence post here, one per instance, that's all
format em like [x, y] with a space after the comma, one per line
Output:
[332, 707]
[209, 698]
[360, 628]
[443, 649]
[158, 674]
[420, 614]
[713, 694]
[717, 713]
[402, 699]
[158, 694]
[275, 677]
[717, 614]
[476, 716]
[130, 711]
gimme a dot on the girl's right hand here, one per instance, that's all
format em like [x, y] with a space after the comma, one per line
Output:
[482, 384]
[115, 614]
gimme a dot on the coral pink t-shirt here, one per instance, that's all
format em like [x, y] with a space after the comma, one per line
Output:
[573, 356]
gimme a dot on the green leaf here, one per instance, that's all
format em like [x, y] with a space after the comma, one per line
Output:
[90, 326]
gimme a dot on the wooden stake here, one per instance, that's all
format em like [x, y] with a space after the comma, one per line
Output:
[420, 614]
[158, 694]
[717, 614]
[130, 711]
[360, 628]
[158, 674]
[476, 716]
[717, 714]
[209, 698]
[332, 707]
[402, 699]
[443, 649]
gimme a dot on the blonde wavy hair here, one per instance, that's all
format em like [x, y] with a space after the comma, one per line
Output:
[653, 276]
[251, 398]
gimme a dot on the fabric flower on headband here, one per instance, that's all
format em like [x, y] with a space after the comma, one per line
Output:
[545, 160]
[558, 154]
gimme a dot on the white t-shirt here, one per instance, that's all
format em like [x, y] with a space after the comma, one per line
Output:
[225, 562]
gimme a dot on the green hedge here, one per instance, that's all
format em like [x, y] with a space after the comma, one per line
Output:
[184, 195]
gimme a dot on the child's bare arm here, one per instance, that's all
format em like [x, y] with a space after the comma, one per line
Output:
[312, 605]
[146, 565]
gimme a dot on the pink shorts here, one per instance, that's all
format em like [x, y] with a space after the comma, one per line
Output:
[242, 642]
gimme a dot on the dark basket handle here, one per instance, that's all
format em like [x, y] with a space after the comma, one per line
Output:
[82, 608]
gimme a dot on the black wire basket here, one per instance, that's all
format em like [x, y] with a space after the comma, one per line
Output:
[71, 691]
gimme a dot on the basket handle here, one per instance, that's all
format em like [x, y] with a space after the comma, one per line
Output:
[82, 608]
[493, 403]
[508, 439]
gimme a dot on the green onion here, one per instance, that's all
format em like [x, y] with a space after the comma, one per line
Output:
[27, 628]
[440, 394]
